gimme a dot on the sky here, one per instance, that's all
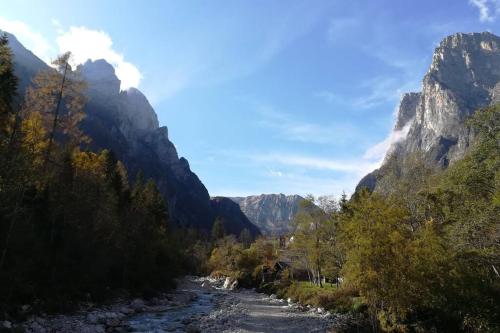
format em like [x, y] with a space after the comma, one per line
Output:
[294, 97]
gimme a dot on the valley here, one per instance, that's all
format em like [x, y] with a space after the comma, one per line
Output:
[368, 224]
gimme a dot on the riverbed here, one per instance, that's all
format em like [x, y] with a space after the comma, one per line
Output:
[197, 305]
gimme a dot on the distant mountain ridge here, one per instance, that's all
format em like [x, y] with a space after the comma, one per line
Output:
[272, 213]
[125, 123]
[464, 76]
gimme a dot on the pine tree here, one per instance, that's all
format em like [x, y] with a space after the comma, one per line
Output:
[8, 90]
[218, 231]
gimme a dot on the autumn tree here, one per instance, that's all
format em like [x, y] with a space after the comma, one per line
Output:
[309, 239]
[57, 98]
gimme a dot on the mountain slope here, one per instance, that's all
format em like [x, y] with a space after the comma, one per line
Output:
[232, 217]
[125, 123]
[272, 213]
[464, 76]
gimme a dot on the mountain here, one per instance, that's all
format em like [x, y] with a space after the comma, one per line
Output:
[463, 77]
[125, 123]
[228, 210]
[272, 213]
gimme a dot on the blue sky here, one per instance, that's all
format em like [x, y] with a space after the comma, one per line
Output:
[261, 96]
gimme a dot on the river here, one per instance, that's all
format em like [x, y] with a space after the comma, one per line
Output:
[197, 305]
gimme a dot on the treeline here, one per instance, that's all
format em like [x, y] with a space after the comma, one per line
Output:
[72, 226]
[426, 255]
[421, 255]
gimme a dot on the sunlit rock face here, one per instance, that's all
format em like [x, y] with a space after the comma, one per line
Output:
[463, 77]
[272, 213]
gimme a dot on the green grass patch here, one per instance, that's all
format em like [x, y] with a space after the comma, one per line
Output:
[329, 297]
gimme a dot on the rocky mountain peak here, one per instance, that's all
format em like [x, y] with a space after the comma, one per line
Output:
[272, 213]
[125, 123]
[467, 63]
[139, 111]
[101, 77]
[464, 76]
[407, 109]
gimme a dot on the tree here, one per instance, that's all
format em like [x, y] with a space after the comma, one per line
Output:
[8, 90]
[57, 95]
[309, 237]
[245, 238]
[218, 231]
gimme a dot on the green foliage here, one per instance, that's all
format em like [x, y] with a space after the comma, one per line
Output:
[424, 254]
[72, 227]
[218, 231]
[329, 297]
[8, 89]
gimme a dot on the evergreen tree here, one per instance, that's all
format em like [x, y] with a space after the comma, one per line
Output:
[218, 231]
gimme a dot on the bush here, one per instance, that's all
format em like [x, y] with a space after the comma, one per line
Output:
[328, 297]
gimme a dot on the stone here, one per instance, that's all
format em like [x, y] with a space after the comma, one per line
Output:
[137, 304]
[6, 324]
[227, 283]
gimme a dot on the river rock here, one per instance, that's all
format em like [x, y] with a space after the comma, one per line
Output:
[137, 305]
[6, 324]
[229, 283]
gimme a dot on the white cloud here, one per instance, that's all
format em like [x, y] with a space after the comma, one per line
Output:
[31, 39]
[83, 43]
[488, 9]
[378, 151]
[87, 44]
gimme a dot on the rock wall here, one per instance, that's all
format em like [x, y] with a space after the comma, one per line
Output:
[464, 76]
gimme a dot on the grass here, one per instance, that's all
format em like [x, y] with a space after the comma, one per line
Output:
[329, 297]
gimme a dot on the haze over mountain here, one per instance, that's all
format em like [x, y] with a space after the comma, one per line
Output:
[125, 123]
[463, 77]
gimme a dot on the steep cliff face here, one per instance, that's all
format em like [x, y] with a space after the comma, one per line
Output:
[463, 77]
[272, 213]
[125, 123]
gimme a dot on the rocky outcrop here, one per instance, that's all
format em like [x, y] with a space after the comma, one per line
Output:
[125, 123]
[272, 213]
[464, 76]
[232, 217]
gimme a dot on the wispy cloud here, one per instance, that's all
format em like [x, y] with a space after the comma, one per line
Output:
[85, 43]
[378, 151]
[30, 38]
[381, 90]
[377, 90]
[292, 129]
[488, 9]
[318, 163]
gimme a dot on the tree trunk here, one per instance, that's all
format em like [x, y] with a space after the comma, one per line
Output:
[56, 118]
